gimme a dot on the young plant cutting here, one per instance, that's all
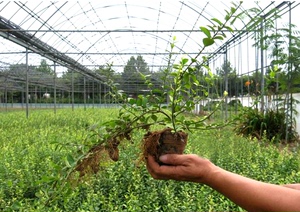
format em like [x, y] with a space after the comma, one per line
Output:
[164, 114]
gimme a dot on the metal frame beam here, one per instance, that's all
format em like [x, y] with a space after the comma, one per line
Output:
[34, 44]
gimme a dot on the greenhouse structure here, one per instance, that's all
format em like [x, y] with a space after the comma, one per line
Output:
[149, 105]
[61, 54]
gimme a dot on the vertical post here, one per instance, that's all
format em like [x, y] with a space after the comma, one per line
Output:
[226, 84]
[62, 99]
[105, 99]
[87, 95]
[100, 93]
[35, 96]
[27, 86]
[54, 79]
[262, 89]
[84, 92]
[93, 91]
[289, 95]
[72, 94]
[5, 97]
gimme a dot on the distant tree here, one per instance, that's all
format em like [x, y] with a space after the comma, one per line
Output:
[19, 68]
[136, 66]
[110, 77]
[132, 80]
[227, 73]
[226, 69]
[107, 72]
[18, 71]
[67, 76]
[45, 68]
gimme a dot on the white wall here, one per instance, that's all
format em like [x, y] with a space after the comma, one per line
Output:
[248, 101]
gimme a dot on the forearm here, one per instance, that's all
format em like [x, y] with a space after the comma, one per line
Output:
[293, 186]
[250, 194]
[254, 195]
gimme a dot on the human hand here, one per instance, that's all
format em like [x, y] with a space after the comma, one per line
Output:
[189, 167]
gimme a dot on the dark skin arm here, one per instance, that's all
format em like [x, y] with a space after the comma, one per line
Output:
[249, 194]
[293, 186]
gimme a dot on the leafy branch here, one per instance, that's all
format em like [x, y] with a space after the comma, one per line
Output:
[184, 76]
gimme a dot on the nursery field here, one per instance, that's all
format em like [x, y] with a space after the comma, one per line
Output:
[37, 154]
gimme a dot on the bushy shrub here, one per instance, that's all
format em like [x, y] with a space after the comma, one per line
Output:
[251, 122]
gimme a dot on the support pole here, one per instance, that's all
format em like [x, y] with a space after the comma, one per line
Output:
[262, 88]
[226, 84]
[54, 79]
[84, 92]
[93, 91]
[5, 97]
[289, 96]
[27, 86]
[72, 93]
[35, 96]
[100, 90]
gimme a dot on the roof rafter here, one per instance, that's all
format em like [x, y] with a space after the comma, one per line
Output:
[34, 44]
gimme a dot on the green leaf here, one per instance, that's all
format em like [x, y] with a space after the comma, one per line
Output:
[229, 28]
[145, 77]
[156, 90]
[227, 17]
[176, 66]
[236, 17]
[217, 20]
[177, 108]
[272, 74]
[186, 77]
[194, 60]
[187, 86]
[206, 67]
[194, 78]
[208, 41]
[184, 61]
[219, 37]
[131, 101]
[145, 101]
[191, 70]
[232, 22]
[232, 9]
[154, 117]
[212, 29]
[223, 34]
[139, 102]
[206, 31]
[70, 159]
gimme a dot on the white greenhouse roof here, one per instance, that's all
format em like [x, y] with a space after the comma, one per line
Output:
[95, 33]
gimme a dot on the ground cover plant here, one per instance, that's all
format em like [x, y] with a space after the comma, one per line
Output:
[36, 154]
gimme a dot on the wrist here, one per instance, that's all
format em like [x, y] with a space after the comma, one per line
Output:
[211, 174]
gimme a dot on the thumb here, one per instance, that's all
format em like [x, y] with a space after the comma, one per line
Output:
[172, 159]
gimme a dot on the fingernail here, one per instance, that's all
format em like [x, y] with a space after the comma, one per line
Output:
[163, 158]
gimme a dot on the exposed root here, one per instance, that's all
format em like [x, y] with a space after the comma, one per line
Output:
[154, 143]
[90, 163]
[163, 142]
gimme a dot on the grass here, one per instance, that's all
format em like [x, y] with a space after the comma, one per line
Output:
[38, 151]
